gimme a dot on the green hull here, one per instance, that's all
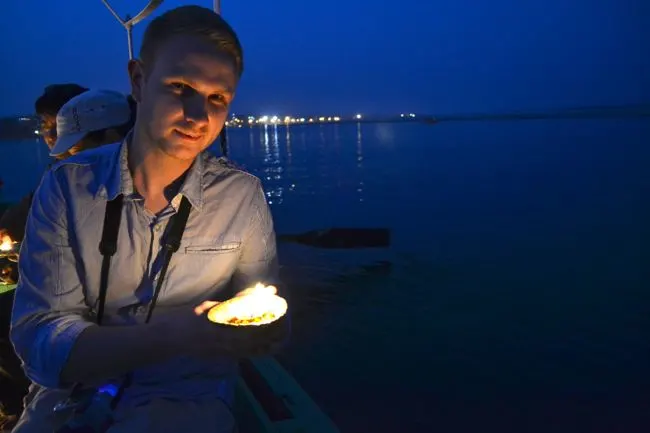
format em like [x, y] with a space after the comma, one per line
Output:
[4, 288]
[269, 400]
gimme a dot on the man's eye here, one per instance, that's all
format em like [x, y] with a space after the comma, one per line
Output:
[219, 99]
[180, 87]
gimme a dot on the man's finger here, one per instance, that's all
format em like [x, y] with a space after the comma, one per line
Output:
[204, 306]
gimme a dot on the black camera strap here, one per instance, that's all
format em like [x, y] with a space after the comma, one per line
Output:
[108, 248]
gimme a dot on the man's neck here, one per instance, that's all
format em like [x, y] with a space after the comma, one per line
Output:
[152, 171]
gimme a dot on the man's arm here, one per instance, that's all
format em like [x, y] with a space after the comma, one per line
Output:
[49, 329]
[101, 353]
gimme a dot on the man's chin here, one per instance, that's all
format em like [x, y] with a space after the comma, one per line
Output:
[181, 150]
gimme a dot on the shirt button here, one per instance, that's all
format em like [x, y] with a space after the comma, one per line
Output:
[157, 227]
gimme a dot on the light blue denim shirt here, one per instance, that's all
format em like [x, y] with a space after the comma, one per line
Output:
[229, 243]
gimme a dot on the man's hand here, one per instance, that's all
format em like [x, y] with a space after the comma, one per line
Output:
[198, 336]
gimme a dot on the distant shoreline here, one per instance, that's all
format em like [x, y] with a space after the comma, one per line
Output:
[26, 127]
[578, 114]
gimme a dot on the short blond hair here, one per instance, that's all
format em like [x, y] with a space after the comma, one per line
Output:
[193, 21]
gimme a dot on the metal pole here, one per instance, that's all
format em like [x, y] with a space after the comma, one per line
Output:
[129, 38]
[222, 136]
[129, 22]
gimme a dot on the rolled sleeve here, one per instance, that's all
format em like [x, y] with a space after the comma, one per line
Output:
[258, 261]
[49, 306]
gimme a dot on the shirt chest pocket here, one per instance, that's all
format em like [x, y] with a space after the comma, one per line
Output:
[215, 248]
[214, 258]
[203, 264]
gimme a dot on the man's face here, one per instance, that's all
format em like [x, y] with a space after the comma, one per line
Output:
[183, 97]
[48, 130]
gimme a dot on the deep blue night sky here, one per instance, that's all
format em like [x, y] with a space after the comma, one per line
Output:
[345, 56]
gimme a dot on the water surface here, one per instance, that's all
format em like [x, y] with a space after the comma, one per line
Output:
[518, 294]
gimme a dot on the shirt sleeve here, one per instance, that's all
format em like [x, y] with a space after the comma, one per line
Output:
[258, 262]
[49, 307]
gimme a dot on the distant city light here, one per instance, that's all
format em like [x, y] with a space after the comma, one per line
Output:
[286, 120]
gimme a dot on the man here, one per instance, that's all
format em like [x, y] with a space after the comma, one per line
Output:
[48, 105]
[174, 373]
[88, 120]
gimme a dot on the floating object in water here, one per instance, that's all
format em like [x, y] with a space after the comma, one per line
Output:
[342, 238]
[255, 306]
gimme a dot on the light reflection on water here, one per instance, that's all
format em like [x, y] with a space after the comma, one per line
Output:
[299, 163]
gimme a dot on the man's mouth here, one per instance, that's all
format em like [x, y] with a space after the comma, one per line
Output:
[189, 136]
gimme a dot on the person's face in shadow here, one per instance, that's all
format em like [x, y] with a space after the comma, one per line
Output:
[48, 130]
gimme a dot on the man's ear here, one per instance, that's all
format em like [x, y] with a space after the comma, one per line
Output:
[137, 78]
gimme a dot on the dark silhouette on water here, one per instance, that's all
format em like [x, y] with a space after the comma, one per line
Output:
[342, 238]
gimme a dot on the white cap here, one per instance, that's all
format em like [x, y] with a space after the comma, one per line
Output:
[90, 111]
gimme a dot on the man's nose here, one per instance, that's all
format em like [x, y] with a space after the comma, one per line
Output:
[195, 109]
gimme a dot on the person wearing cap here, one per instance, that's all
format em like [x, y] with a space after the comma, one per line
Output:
[91, 119]
[47, 106]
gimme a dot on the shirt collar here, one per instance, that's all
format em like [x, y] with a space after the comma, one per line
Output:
[119, 179]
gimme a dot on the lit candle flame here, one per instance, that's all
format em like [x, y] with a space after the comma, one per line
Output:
[7, 244]
[254, 306]
[259, 290]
